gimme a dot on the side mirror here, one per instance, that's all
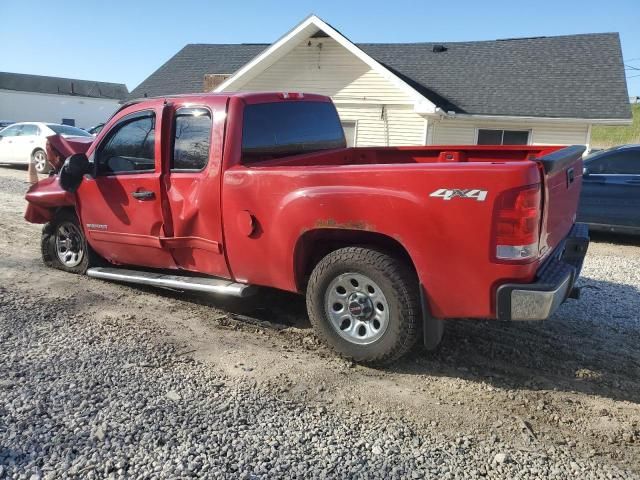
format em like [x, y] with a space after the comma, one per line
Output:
[71, 173]
[585, 172]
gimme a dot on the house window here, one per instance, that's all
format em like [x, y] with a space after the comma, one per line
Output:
[488, 136]
[349, 133]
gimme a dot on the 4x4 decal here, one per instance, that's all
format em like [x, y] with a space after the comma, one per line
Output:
[449, 193]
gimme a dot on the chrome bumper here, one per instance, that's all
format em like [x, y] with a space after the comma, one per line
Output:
[553, 285]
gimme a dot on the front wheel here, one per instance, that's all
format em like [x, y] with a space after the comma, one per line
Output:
[365, 304]
[64, 245]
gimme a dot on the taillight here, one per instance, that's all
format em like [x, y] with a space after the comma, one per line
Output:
[516, 223]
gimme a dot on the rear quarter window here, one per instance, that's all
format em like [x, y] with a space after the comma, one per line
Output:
[273, 130]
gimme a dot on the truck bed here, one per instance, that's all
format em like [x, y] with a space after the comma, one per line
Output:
[394, 191]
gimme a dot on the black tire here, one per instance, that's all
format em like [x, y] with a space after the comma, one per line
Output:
[66, 219]
[399, 286]
[40, 161]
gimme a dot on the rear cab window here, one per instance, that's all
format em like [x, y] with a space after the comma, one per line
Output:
[280, 129]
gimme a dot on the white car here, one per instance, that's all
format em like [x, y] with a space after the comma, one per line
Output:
[26, 142]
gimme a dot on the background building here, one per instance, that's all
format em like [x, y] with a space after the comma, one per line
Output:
[36, 98]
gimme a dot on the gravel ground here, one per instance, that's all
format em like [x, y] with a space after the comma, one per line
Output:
[95, 398]
[99, 380]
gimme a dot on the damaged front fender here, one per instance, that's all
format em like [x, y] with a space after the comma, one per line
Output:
[44, 198]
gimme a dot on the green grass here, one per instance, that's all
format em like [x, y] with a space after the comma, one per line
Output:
[604, 137]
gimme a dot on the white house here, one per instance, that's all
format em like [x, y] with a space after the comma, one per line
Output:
[543, 90]
[37, 98]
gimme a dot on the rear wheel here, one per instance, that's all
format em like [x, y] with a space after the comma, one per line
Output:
[365, 304]
[40, 162]
[64, 245]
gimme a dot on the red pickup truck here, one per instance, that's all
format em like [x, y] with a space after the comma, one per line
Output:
[221, 193]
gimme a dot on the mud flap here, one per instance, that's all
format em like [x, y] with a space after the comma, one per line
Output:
[432, 328]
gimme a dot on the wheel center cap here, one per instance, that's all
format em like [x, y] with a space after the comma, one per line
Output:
[360, 306]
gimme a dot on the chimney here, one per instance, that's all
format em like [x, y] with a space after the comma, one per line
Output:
[212, 80]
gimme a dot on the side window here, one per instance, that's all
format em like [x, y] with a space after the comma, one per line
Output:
[129, 147]
[616, 163]
[12, 131]
[192, 136]
[30, 130]
[622, 163]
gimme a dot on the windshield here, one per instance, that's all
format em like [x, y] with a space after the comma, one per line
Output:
[68, 131]
[289, 128]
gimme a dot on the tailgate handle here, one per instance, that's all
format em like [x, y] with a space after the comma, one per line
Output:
[570, 176]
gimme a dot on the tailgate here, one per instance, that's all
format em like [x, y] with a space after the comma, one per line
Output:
[562, 180]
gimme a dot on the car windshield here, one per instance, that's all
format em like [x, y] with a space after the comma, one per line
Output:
[68, 131]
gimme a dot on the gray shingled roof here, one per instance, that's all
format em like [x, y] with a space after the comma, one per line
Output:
[185, 71]
[62, 86]
[577, 76]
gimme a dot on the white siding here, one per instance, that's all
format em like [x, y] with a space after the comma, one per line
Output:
[559, 134]
[450, 133]
[397, 125]
[383, 112]
[463, 132]
[40, 107]
[323, 66]
[406, 127]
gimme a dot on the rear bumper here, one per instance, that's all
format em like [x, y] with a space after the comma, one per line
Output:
[553, 285]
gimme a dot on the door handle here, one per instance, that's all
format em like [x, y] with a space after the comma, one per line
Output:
[143, 195]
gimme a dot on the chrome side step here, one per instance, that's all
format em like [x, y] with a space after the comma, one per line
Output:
[197, 284]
